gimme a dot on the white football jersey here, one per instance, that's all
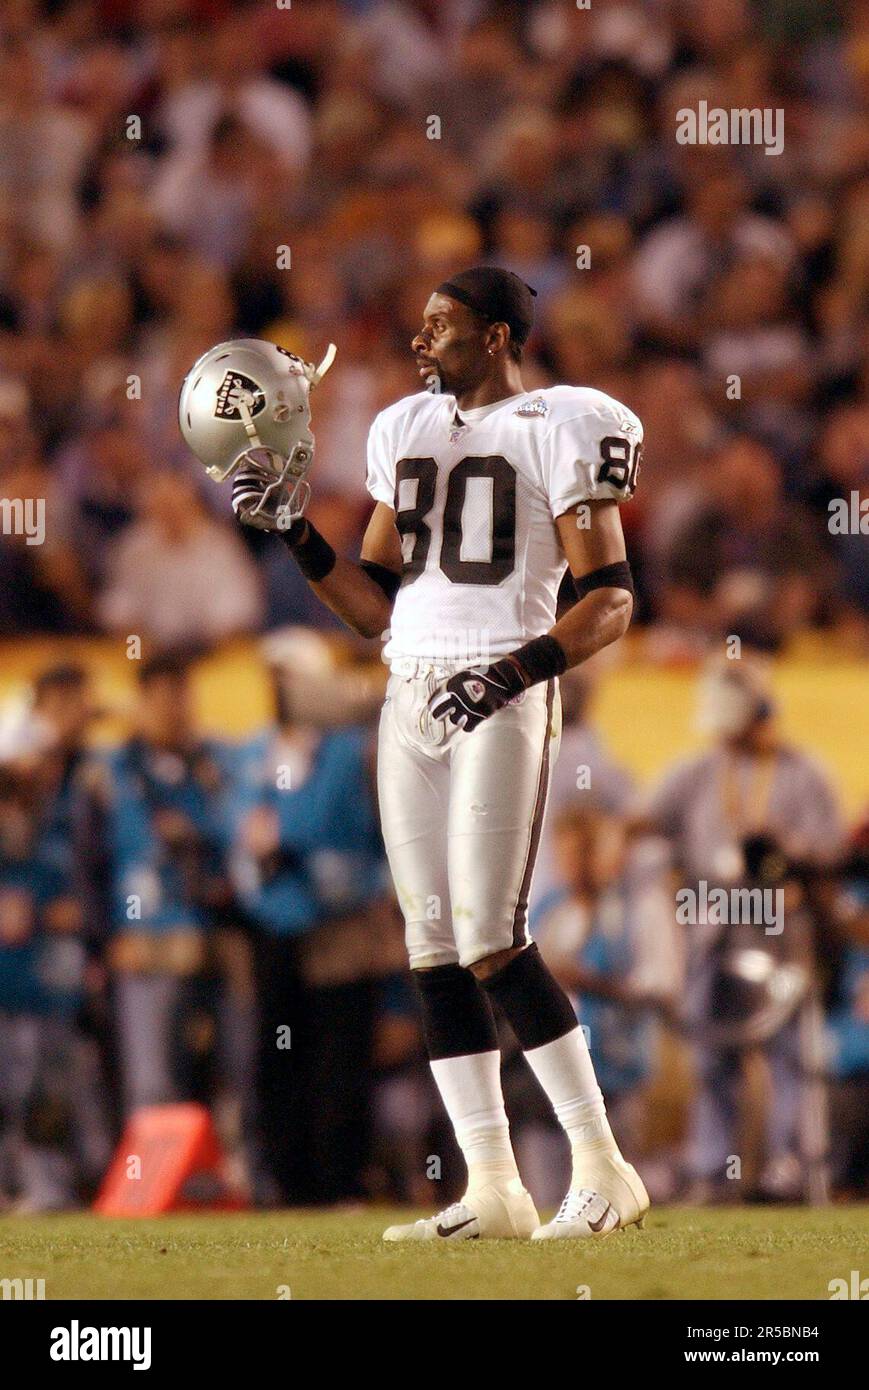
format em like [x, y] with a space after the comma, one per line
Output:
[476, 495]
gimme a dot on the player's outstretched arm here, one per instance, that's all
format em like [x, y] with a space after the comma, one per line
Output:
[360, 595]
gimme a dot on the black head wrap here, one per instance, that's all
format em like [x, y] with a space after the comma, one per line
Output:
[496, 295]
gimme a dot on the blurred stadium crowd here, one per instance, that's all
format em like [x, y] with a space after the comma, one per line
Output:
[178, 172]
[128, 249]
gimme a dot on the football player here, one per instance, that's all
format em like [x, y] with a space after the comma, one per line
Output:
[484, 494]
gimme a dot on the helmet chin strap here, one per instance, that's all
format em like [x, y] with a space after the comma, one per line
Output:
[241, 402]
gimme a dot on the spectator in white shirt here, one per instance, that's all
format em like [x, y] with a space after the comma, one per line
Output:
[176, 576]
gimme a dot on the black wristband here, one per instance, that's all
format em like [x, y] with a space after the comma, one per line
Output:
[540, 660]
[314, 555]
[615, 576]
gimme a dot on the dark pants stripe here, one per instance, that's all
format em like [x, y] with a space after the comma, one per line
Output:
[520, 916]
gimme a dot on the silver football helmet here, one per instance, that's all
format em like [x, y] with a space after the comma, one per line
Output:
[244, 405]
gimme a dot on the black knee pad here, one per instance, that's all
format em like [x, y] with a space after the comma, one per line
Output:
[532, 1000]
[457, 1017]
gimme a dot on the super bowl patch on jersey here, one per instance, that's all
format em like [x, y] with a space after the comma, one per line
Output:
[529, 409]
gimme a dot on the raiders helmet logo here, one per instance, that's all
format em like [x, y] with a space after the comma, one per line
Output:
[234, 386]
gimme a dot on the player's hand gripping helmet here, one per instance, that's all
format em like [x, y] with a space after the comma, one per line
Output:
[244, 406]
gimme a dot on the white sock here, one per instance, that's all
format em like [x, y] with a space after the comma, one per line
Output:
[470, 1087]
[565, 1071]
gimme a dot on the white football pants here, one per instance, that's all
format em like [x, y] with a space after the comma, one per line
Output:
[462, 814]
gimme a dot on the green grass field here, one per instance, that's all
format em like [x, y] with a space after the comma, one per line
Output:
[765, 1253]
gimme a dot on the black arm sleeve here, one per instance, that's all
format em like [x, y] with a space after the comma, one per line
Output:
[615, 576]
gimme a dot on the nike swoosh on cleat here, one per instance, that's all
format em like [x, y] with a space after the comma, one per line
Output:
[451, 1230]
[598, 1225]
